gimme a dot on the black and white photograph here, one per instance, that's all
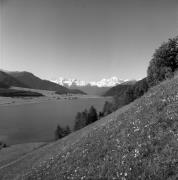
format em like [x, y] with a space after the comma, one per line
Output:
[88, 89]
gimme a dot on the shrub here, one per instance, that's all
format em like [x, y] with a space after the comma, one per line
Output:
[85, 118]
[2, 145]
[164, 62]
[139, 88]
[81, 120]
[92, 115]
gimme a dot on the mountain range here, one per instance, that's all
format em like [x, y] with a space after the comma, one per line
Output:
[94, 87]
[61, 85]
[105, 82]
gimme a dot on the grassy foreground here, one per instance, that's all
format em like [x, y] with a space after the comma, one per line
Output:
[138, 141]
[14, 152]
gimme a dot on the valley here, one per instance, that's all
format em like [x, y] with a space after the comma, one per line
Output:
[88, 90]
[113, 140]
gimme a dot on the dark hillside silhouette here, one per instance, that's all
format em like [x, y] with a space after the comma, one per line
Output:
[9, 80]
[35, 82]
[117, 90]
[124, 94]
[2, 85]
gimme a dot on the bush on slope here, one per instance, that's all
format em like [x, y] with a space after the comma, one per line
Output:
[140, 143]
[164, 62]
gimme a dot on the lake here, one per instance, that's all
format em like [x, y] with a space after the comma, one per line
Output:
[37, 122]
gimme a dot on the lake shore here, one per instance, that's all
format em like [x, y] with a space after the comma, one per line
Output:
[48, 96]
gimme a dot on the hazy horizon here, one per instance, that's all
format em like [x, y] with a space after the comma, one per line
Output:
[84, 39]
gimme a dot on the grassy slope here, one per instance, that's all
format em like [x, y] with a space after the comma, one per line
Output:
[14, 152]
[139, 141]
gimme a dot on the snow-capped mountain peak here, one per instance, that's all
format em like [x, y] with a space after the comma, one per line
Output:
[105, 82]
[69, 82]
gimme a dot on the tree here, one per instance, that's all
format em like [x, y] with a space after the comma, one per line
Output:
[2, 145]
[140, 88]
[77, 124]
[164, 62]
[84, 117]
[92, 115]
[59, 133]
[101, 114]
[81, 120]
[108, 108]
[67, 130]
[125, 98]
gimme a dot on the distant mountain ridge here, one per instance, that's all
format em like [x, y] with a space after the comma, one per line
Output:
[8, 80]
[105, 82]
[92, 90]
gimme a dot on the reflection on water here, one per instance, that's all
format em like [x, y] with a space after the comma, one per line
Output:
[37, 122]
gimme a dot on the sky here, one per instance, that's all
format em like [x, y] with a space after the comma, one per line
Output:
[84, 39]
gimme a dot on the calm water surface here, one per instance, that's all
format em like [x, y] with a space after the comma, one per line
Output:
[37, 122]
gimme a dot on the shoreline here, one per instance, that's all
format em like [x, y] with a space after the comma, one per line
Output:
[9, 101]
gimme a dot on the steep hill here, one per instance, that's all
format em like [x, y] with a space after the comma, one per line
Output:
[138, 141]
[35, 82]
[118, 90]
[8, 80]
[127, 92]
[2, 85]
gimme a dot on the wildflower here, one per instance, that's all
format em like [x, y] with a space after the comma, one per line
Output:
[137, 129]
[136, 153]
